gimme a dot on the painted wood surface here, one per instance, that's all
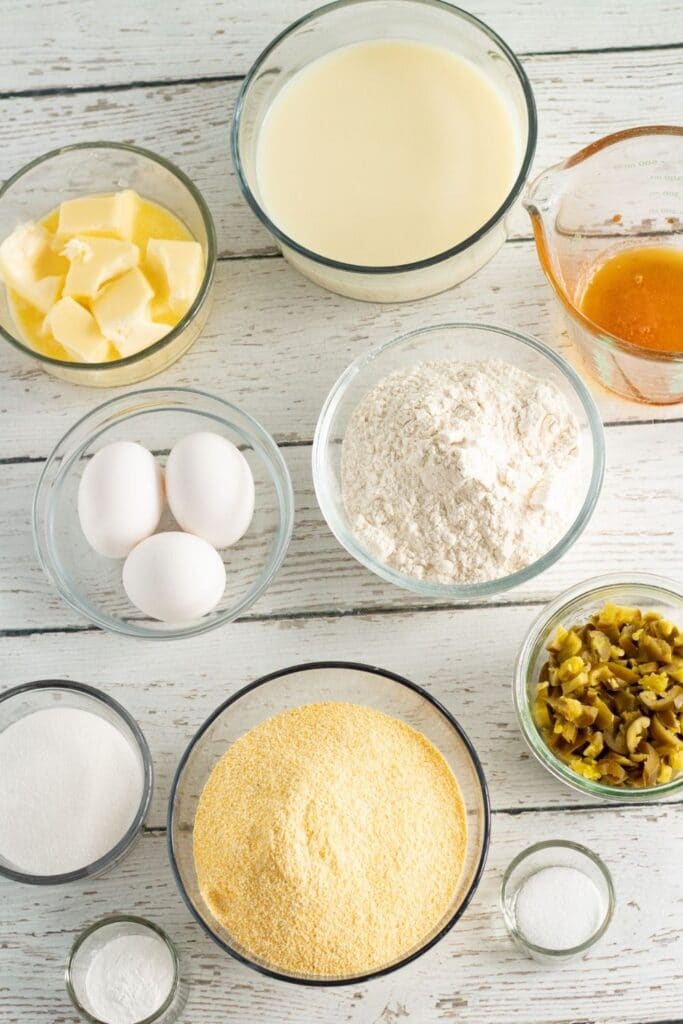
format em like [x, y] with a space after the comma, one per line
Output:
[474, 976]
[49, 44]
[450, 652]
[579, 99]
[275, 343]
[636, 526]
[165, 74]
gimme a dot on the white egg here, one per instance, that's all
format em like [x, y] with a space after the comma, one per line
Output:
[120, 498]
[210, 488]
[174, 577]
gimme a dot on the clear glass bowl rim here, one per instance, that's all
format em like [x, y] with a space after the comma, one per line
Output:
[601, 336]
[104, 922]
[126, 840]
[483, 789]
[660, 586]
[455, 591]
[204, 288]
[283, 489]
[302, 250]
[564, 844]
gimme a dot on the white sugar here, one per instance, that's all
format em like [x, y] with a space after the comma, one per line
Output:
[558, 908]
[70, 786]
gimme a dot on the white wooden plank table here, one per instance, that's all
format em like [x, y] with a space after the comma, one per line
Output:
[165, 74]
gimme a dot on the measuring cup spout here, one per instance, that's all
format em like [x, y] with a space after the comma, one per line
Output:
[540, 195]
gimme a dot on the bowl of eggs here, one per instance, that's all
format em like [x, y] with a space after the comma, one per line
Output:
[163, 513]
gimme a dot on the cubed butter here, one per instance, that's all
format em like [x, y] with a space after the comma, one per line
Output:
[179, 267]
[26, 257]
[112, 214]
[122, 313]
[74, 327]
[94, 261]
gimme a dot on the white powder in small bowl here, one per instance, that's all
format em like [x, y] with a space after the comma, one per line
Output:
[558, 908]
[70, 787]
[129, 978]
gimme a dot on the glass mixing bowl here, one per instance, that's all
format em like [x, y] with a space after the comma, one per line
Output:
[28, 698]
[576, 605]
[353, 21]
[157, 418]
[469, 343]
[86, 169]
[306, 684]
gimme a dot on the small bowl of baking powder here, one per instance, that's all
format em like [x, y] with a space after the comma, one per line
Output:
[125, 970]
[459, 461]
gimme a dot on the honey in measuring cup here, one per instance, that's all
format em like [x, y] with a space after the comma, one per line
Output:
[636, 294]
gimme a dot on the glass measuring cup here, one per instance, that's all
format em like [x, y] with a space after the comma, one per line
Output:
[623, 191]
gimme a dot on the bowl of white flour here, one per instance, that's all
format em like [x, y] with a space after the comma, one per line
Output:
[458, 461]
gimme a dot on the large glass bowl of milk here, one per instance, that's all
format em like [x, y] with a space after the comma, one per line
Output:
[383, 143]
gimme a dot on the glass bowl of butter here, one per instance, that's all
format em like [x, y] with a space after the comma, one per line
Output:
[383, 143]
[107, 259]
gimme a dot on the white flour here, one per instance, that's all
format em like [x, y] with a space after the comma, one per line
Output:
[129, 978]
[460, 472]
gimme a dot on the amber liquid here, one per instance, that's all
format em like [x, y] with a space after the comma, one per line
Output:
[637, 295]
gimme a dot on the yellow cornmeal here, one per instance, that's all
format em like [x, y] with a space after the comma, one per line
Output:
[151, 221]
[329, 840]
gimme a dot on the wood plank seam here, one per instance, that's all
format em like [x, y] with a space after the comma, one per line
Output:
[153, 83]
[20, 460]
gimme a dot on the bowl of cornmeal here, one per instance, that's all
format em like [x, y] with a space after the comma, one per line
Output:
[328, 823]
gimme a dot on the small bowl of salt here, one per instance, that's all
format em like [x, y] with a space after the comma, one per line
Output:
[557, 899]
[124, 970]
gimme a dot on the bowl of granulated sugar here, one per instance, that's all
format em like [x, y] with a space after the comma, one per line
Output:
[458, 461]
[75, 782]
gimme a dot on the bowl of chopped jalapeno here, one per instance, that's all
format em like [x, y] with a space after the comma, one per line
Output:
[599, 687]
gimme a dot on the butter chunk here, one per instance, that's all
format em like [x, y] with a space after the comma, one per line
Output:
[122, 313]
[180, 267]
[113, 214]
[74, 327]
[26, 257]
[94, 261]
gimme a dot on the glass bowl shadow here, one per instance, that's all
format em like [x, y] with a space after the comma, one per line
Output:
[467, 342]
[95, 167]
[157, 418]
[576, 605]
[306, 684]
[45, 694]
